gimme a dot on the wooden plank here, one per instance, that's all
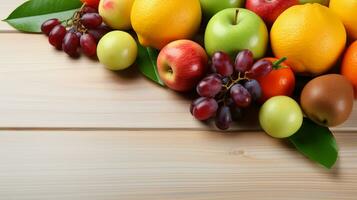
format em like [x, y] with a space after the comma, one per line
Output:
[178, 165]
[41, 87]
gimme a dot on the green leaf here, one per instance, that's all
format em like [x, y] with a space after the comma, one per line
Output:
[30, 15]
[317, 143]
[146, 62]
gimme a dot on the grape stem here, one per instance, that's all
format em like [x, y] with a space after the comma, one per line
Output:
[223, 95]
[74, 14]
[233, 82]
[75, 20]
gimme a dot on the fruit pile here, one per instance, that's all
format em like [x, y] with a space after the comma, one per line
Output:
[219, 50]
[230, 89]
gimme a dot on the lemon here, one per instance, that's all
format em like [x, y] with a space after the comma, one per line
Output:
[311, 36]
[347, 12]
[158, 22]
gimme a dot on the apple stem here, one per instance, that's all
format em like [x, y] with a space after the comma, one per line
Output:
[276, 64]
[235, 22]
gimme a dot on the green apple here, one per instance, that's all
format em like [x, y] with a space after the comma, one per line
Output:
[117, 50]
[211, 7]
[234, 29]
[280, 117]
[323, 2]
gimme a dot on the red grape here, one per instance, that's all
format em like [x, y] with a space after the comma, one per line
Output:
[209, 86]
[222, 64]
[48, 25]
[70, 44]
[254, 89]
[74, 30]
[195, 102]
[261, 68]
[78, 34]
[89, 45]
[91, 20]
[56, 36]
[225, 80]
[88, 9]
[223, 118]
[240, 96]
[229, 101]
[237, 113]
[244, 61]
[99, 32]
[205, 109]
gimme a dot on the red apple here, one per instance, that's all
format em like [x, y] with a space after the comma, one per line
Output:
[181, 64]
[269, 10]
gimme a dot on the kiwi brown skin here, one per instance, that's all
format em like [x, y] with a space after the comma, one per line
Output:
[328, 100]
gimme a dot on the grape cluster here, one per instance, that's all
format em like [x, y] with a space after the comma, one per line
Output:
[230, 89]
[83, 31]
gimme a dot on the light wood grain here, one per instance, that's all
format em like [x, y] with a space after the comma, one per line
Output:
[178, 165]
[154, 149]
[44, 88]
[6, 8]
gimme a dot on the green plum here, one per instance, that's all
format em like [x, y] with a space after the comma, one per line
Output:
[280, 117]
[235, 29]
[211, 7]
[117, 50]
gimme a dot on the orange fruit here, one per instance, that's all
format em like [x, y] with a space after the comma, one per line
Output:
[311, 36]
[158, 22]
[349, 65]
[347, 12]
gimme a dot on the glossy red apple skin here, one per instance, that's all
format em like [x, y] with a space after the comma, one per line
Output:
[182, 64]
[269, 10]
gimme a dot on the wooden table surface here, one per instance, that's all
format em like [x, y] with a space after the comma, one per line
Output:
[71, 130]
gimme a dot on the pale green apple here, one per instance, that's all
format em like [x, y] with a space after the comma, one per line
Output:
[235, 29]
[211, 7]
[323, 2]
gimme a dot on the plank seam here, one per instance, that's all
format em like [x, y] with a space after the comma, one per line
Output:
[141, 129]
[115, 129]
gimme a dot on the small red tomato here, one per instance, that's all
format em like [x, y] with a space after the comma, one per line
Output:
[280, 81]
[91, 3]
